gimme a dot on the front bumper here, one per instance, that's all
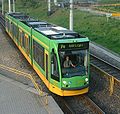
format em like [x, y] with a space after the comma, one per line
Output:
[75, 88]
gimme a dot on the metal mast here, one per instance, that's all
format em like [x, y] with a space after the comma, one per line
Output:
[49, 7]
[55, 2]
[71, 16]
[9, 6]
[13, 5]
[3, 7]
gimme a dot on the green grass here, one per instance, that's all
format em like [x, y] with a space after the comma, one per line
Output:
[95, 27]
[109, 8]
[108, 1]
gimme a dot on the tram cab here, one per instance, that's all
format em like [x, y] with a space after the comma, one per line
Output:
[70, 68]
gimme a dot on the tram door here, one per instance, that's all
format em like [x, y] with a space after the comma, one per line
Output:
[46, 64]
[27, 44]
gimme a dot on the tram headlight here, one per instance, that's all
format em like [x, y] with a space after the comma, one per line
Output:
[69, 82]
[64, 82]
[86, 79]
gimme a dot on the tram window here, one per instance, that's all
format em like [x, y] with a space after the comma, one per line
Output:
[27, 44]
[16, 32]
[38, 54]
[7, 24]
[10, 26]
[54, 67]
[13, 29]
[23, 39]
[20, 36]
[74, 63]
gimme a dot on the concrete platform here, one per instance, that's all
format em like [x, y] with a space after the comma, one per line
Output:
[105, 54]
[17, 98]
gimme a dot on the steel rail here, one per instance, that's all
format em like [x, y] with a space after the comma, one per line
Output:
[2, 20]
[67, 109]
[108, 66]
[105, 61]
[90, 104]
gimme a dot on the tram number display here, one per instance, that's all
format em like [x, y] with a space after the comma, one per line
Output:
[80, 45]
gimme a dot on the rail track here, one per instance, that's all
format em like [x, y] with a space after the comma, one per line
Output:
[90, 104]
[105, 66]
[2, 20]
[82, 104]
[111, 72]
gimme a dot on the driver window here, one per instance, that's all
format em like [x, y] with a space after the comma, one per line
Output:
[54, 68]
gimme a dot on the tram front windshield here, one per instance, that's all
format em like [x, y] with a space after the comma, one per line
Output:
[74, 63]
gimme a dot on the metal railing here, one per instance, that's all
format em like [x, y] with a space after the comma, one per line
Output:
[28, 76]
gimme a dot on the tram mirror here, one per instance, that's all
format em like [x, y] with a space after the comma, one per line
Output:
[52, 68]
[52, 56]
[52, 61]
[52, 50]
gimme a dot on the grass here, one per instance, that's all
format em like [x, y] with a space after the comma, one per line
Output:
[95, 27]
[111, 9]
[109, 1]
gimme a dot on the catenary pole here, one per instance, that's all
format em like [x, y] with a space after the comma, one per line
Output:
[9, 5]
[13, 5]
[55, 2]
[71, 16]
[49, 7]
[3, 7]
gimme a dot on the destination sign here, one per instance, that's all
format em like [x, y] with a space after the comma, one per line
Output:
[80, 45]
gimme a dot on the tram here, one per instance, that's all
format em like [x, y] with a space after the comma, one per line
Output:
[59, 56]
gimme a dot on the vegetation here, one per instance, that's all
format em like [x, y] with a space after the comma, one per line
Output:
[95, 27]
[109, 8]
[109, 1]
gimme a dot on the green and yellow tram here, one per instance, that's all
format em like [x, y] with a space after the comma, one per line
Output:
[59, 56]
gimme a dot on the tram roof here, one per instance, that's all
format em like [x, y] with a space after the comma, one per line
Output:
[50, 30]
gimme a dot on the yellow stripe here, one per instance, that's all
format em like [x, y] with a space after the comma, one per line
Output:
[14, 23]
[46, 52]
[11, 21]
[40, 42]
[25, 55]
[23, 30]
